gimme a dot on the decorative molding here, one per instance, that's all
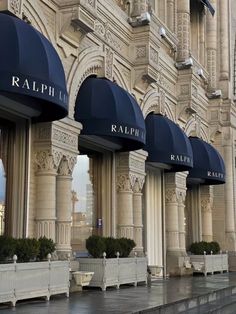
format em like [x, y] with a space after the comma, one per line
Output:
[12, 6]
[104, 32]
[171, 196]
[109, 59]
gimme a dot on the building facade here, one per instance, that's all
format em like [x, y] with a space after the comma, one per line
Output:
[70, 178]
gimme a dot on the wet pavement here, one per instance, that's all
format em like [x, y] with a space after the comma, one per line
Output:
[127, 299]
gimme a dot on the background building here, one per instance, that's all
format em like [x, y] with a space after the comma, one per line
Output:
[177, 59]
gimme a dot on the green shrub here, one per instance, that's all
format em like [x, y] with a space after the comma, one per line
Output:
[95, 246]
[46, 246]
[214, 247]
[199, 248]
[112, 247]
[27, 249]
[126, 246]
[7, 248]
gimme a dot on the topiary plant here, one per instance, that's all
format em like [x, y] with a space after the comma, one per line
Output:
[95, 246]
[126, 246]
[199, 248]
[46, 246]
[7, 248]
[112, 247]
[27, 249]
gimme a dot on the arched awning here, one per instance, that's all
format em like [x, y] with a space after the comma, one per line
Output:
[208, 165]
[31, 73]
[109, 113]
[167, 144]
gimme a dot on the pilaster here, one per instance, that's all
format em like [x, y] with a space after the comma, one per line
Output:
[183, 29]
[206, 211]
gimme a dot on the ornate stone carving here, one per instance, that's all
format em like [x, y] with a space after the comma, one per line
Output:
[153, 55]
[183, 22]
[63, 169]
[15, 6]
[65, 138]
[138, 185]
[109, 57]
[45, 161]
[141, 52]
[206, 205]
[171, 195]
[125, 182]
[181, 195]
[110, 39]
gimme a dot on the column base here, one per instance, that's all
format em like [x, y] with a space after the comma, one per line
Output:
[64, 255]
[178, 264]
[230, 244]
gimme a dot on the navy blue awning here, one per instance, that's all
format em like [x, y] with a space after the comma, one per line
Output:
[167, 144]
[208, 165]
[108, 111]
[209, 6]
[31, 72]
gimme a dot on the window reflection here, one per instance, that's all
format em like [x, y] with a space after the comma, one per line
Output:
[82, 197]
[2, 194]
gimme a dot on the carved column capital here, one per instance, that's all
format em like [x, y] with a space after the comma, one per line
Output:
[181, 195]
[45, 160]
[171, 196]
[138, 185]
[125, 182]
[66, 165]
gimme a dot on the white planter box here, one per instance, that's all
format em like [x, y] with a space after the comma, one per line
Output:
[30, 280]
[115, 271]
[209, 263]
[82, 278]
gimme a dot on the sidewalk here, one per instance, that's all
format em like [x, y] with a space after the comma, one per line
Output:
[128, 299]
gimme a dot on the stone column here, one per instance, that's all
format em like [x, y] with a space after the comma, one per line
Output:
[45, 195]
[183, 29]
[125, 206]
[138, 219]
[229, 194]
[211, 43]
[171, 15]
[224, 40]
[206, 193]
[175, 193]
[63, 206]
[172, 220]
[130, 177]
[181, 212]
[139, 7]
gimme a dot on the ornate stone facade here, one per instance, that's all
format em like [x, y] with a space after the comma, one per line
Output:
[154, 50]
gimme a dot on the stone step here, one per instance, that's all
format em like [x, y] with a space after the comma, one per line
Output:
[222, 301]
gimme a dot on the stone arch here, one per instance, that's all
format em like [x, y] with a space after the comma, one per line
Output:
[89, 62]
[39, 21]
[191, 130]
[121, 81]
[169, 113]
[150, 102]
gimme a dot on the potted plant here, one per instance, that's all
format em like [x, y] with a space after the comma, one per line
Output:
[111, 263]
[26, 274]
[206, 257]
